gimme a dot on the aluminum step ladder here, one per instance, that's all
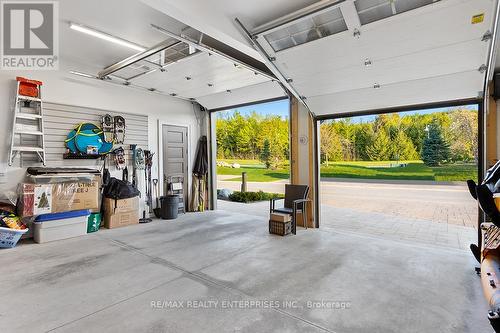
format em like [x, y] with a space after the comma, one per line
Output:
[27, 128]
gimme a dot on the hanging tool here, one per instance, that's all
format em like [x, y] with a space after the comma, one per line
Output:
[157, 210]
[145, 219]
[148, 158]
[134, 163]
[125, 174]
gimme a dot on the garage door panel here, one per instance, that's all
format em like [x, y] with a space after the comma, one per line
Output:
[447, 88]
[251, 94]
[433, 63]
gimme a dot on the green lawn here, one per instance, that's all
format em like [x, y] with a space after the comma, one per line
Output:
[257, 173]
[414, 170]
[256, 163]
[456, 172]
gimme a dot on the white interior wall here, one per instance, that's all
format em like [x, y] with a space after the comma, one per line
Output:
[65, 88]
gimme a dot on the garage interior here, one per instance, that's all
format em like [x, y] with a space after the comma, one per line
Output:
[163, 256]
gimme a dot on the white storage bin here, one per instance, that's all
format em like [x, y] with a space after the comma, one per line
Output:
[63, 228]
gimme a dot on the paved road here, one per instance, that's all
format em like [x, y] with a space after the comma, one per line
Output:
[449, 204]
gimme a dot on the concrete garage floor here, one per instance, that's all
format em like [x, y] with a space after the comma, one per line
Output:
[386, 225]
[123, 280]
[445, 203]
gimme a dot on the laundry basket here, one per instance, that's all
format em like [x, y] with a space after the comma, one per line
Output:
[10, 237]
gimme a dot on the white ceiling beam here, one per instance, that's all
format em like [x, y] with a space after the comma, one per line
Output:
[350, 14]
[285, 82]
[202, 20]
[203, 48]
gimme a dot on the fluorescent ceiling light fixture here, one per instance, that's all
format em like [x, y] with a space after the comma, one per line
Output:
[106, 37]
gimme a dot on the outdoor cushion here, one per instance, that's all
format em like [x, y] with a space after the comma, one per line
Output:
[284, 210]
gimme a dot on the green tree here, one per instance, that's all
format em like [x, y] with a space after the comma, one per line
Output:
[225, 141]
[246, 140]
[265, 154]
[402, 148]
[435, 148]
[331, 146]
[463, 135]
[242, 136]
[380, 149]
[347, 136]
[363, 139]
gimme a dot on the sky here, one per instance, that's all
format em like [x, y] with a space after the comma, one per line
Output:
[272, 108]
[366, 119]
[281, 108]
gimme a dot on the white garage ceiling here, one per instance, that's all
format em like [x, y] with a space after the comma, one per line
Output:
[126, 19]
[200, 75]
[216, 18]
[208, 75]
[421, 51]
[419, 56]
[400, 60]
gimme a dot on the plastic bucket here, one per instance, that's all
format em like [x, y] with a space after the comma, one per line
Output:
[10, 237]
[169, 207]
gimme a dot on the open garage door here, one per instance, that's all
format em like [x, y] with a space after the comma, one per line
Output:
[253, 94]
[365, 55]
[402, 175]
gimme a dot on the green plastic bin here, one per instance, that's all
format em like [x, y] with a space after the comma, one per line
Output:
[94, 222]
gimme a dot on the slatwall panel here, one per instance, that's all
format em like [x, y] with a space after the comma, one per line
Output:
[60, 119]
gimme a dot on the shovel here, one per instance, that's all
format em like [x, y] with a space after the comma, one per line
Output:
[157, 210]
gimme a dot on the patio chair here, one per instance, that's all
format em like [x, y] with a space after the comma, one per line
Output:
[294, 202]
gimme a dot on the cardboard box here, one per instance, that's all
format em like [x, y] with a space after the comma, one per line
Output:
[112, 206]
[121, 219]
[36, 199]
[76, 196]
[120, 213]
[280, 217]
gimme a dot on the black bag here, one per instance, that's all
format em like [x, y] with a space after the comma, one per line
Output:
[119, 189]
[487, 203]
[106, 177]
[484, 193]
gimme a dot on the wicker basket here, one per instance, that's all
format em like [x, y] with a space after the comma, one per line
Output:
[280, 228]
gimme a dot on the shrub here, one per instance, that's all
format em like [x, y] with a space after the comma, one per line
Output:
[253, 196]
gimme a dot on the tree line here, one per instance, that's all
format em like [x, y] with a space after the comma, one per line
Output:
[386, 137]
[395, 137]
[253, 136]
